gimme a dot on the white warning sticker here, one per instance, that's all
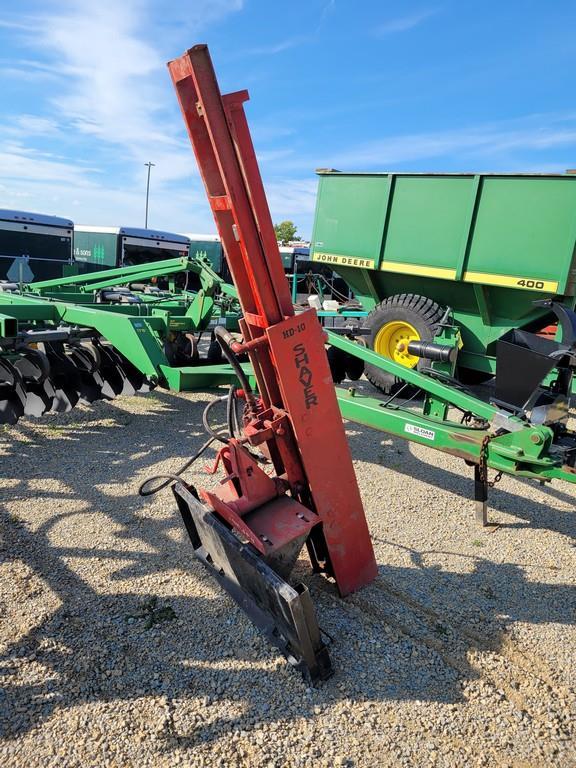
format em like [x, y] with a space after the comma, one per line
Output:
[427, 434]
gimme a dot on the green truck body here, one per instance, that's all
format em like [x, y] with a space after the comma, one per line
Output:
[207, 247]
[487, 246]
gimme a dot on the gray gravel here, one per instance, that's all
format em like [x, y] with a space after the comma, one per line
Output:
[116, 649]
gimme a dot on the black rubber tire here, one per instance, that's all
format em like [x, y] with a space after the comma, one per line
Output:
[421, 312]
[337, 362]
[354, 365]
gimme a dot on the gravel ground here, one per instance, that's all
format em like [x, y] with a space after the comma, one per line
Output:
[116, 648]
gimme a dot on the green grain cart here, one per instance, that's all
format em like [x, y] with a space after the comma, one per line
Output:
[412, 245]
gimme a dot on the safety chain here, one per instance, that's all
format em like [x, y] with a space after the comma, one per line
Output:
[483, 465]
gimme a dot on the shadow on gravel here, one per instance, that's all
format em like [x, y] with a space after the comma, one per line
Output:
[399, 639]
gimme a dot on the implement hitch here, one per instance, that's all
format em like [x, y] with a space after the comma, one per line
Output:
[521, 430]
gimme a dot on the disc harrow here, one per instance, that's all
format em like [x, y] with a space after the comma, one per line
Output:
[104, 335]
[55, 376]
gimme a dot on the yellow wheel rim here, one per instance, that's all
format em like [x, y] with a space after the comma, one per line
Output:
[392, 341]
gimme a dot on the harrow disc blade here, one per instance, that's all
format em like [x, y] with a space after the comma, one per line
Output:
[34, 368]
[90, 380]
[39, 399]
[146, 386]
[135, 378]
[113, 376]
[131, 376]
[11, 407]
[64, 378]
[64, 400]
[12, 393]
[33, 365]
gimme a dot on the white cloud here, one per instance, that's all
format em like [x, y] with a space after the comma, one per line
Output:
[111, 93]
[293, 199]
[291, 196]
[111, 99]
[489, 141]
[31, 125]
[23, 164]
[114, 87]
[274, 48]
[499, 143]
[403, 23]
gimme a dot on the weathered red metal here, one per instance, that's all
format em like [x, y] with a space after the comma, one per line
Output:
[297, 347]
[299, 426]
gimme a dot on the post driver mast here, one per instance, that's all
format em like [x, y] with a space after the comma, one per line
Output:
[249, 531]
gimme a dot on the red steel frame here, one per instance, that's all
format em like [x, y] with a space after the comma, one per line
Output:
[298, 423]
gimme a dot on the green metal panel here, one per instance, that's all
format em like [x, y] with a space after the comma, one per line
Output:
[208, 249]
[509, 231]
[525, 227]
[350, 215]
[427, 221]
[99, 248]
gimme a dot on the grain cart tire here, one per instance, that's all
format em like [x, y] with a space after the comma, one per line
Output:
[393, 324]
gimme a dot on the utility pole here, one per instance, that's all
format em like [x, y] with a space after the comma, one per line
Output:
[149, 165]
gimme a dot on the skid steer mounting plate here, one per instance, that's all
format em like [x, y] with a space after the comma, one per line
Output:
[282, 612]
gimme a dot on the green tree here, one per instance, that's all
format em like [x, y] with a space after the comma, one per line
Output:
[286, 232]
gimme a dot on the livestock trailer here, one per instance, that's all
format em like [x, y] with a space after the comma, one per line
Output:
[97, 248]
[487, 246]
[33, 246]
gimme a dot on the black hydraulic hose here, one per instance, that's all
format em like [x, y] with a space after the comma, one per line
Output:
[231, 418]
[168, 477]
[208, 427]
[231, 415]
[223, 337]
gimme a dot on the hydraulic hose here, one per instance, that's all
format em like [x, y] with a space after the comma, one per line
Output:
[208, 427]
[224, 339]
[168, 477]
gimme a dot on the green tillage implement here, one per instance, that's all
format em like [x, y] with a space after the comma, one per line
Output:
[486, 246]
[86, 337]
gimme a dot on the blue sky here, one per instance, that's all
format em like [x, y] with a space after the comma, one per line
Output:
[416, 86]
